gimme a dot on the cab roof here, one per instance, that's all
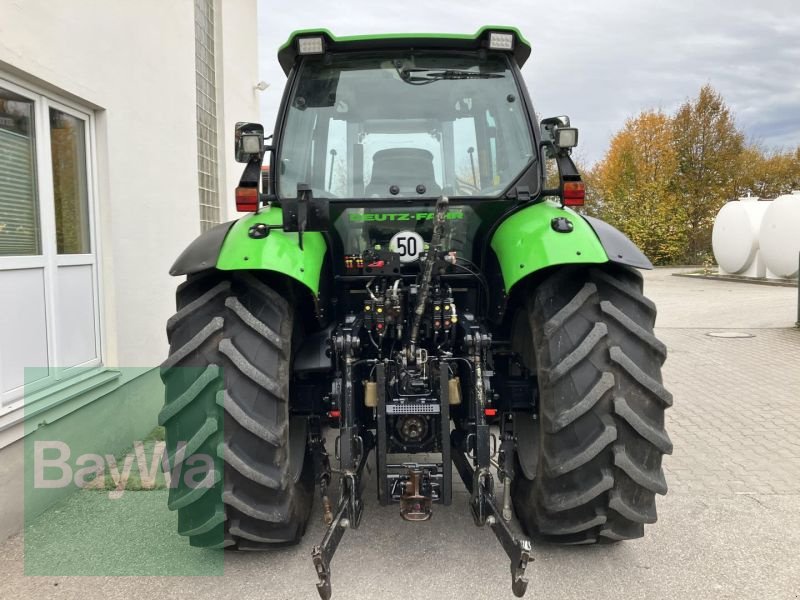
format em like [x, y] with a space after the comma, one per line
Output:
[288, 53]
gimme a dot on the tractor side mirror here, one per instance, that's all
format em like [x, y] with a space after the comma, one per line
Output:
[249, 148]
[249, 142]
[558, 139]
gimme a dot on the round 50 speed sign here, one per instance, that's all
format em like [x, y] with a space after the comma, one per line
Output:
[408, 244]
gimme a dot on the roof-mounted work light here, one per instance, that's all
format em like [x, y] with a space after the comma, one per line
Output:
[501, 41]
[310, 45]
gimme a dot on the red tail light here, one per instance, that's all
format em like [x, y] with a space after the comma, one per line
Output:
[574, 193]
[246, 199]
[490, 412]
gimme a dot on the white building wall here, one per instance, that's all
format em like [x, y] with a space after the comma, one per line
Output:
[134, 64]
[239, 75]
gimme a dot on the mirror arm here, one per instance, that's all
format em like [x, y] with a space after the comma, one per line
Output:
[566, 167]
[251, 176]
[567, 171]
[549, 147]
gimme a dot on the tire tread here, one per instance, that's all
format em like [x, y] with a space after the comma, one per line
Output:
[601, 435]
[227, 392]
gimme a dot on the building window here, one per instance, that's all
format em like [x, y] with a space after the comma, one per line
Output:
[49, 313]
[207, 162]
[19, 219]
[70, 191]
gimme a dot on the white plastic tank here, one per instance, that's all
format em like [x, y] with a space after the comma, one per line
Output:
[779, 237]
[735, 238]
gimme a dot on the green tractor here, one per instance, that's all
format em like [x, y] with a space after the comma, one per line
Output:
[407, 283]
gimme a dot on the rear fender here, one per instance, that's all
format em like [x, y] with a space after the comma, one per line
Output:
[279, 251]
[619, 248]
[203, 252]
[229, 247]
[526, 242]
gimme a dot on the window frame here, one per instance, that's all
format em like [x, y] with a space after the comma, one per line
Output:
[49, 261]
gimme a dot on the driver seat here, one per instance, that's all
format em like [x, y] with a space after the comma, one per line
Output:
[405, 168]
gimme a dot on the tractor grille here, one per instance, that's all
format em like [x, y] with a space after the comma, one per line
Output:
[412, 409]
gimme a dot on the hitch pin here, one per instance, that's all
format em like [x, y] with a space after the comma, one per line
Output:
[327, 511]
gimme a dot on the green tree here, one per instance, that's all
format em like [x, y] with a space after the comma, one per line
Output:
[634, 185]
[594, 204]
[708, 149]
[768, 174]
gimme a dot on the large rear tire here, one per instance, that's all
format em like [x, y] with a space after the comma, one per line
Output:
[590, 467]
[227, 397]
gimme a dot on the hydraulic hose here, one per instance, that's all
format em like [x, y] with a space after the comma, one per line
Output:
[435, 247]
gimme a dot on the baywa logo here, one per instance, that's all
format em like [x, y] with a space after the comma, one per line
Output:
[401, 216]
[95, 472]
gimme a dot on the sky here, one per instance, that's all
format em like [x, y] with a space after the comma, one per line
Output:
[600, 62]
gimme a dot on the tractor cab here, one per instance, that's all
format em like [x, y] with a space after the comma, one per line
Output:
[373, 130]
